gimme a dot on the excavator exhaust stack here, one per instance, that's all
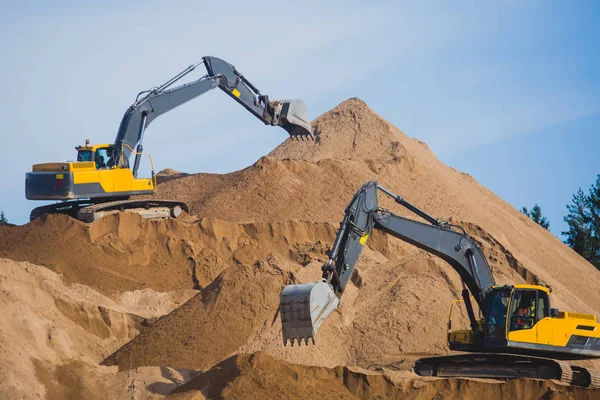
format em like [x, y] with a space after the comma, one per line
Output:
[303, 308]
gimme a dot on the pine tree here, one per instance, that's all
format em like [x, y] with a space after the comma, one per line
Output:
[594, 209]
[579, 227]
[583, 219]
[536, 215]
[3, 219]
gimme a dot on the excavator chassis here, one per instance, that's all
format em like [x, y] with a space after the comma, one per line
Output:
[89, 211]
[506, 366]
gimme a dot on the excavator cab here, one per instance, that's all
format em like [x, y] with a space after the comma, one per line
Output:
[512, 313]
[519, 319]
[100, 155]
[528, 306]
[516, 308]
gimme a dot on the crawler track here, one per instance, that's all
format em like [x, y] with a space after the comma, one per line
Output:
[506, 366]
[87, 211]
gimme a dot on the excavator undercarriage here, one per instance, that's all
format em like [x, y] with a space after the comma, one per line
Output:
[516, 333]
[89, 211]
[506, 366]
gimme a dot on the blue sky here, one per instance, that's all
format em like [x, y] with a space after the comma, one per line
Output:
[544, 167]
[505, 90]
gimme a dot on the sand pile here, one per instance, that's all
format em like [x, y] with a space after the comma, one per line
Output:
[53, 335]
[283, 187]
[210, 326]
[261, 376]
[306, 184]
[255, 230]
[394, 282]
[125, 252]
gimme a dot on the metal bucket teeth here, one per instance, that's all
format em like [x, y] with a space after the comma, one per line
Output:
[298, 334]
[303, 308]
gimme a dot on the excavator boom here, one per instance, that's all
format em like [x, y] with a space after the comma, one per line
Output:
[362, 215]
[291, 115]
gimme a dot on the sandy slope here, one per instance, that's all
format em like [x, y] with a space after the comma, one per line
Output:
[314, 181]
[260, 376]
[252, 232]
[53, 335]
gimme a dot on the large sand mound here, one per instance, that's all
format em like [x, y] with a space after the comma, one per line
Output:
[317, 188]
[252, 232]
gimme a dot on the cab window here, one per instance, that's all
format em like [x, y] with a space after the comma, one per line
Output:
[524, 309]
[84, 155]
[496, 312]
[102, 157]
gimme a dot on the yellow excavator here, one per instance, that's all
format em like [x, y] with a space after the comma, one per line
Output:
[516, 333]
[102, 179]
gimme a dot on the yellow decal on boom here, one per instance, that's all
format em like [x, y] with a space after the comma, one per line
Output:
[236, 92]
[363, 239]
[60, 176]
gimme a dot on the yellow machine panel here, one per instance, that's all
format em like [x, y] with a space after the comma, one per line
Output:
[82, 165]
[51, 167]
[557, 331]
[462, 337]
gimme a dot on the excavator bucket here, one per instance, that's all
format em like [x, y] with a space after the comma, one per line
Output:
[303, 308]
[293, 117]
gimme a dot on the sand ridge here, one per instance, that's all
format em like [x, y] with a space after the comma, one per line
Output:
[249, 234]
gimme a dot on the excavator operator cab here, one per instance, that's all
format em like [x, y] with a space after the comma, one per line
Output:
[98, 154]
[527, 307]
[515, 308]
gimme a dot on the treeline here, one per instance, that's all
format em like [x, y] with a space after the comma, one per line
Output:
[583, 220]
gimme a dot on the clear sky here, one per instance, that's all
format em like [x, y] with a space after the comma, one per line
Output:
[508, 91]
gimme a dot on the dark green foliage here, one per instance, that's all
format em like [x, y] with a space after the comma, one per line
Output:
[3, 219]
[583, 219]
[536, 215]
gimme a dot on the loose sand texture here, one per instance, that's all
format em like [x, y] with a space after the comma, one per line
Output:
[131, 308]
[53, 335]
[125, 252]
[260, 376]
